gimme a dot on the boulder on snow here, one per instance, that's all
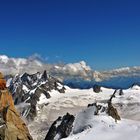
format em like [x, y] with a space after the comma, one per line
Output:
[62, 90]
[96, 88]
[121, 92]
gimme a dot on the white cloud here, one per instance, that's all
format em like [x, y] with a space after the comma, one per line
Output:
[36, 63]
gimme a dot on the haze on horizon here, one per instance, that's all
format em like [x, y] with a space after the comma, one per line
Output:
[105, 34]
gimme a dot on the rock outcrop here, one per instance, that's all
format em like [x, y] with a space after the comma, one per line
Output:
[12, 126]
[121, 92]
[111, 110]
[96, 88]
[61, 128]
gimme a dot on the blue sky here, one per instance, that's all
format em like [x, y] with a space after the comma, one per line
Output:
[104, 33]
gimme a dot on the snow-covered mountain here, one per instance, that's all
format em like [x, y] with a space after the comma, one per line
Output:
[29, 91]
[127, 102]
[42, 98]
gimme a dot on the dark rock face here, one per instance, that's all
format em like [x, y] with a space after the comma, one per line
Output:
[121, 92]
[96, 88]
[99, 108]
[61, 128]
[28, 88]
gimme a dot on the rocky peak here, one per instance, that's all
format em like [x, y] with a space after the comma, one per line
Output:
[44, 76]
[28, 88]
[61, 128]
[12, 126]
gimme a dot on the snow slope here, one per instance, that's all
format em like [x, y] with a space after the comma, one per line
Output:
[75, 100]
[106, 129]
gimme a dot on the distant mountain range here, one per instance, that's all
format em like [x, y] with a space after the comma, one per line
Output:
[78, 75]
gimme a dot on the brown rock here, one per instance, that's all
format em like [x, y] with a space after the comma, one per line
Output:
[12, 126]
[111, 110]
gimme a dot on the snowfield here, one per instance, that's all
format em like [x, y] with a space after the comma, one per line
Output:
[102, 126]
[106, 129]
